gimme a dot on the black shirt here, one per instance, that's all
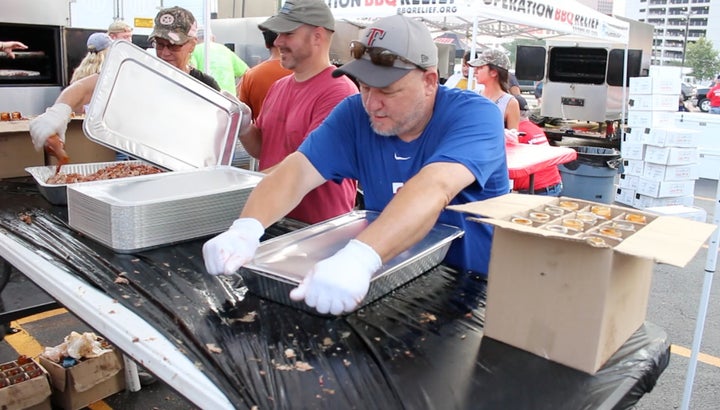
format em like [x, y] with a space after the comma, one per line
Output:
[206, 79]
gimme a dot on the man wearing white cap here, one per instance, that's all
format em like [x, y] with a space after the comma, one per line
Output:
[414, 146]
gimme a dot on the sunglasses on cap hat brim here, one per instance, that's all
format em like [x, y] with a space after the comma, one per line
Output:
[378, 55]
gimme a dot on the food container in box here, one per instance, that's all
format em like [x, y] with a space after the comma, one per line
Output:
[153, 112]
[56, 194]
[134, 214]
[281, 263]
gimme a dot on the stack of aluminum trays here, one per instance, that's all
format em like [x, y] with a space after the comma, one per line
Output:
[134, 214]
[281, 263]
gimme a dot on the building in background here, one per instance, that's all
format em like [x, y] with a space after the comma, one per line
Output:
[603, 6]
[677, 22]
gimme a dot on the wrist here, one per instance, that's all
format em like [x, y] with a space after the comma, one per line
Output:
[250, 225]
[365, 254]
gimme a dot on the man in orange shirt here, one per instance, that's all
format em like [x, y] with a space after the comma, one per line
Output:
[256, 82]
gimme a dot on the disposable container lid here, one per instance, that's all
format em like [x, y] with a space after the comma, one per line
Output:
[150, 110]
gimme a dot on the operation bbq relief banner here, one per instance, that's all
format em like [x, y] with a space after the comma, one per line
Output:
[568, 17]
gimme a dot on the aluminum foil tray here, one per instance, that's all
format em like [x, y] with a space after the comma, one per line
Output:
[150, 110]
[281, 263]
[56, 194]
[144, 212]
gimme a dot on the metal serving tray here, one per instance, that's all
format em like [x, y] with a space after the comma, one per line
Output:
[56, 194]
[281, 263]
[150, 110]
[134, 214]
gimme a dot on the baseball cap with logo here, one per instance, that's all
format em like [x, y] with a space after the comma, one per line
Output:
[175, 24]
[98, 42]
[295, 13]
[391, 47]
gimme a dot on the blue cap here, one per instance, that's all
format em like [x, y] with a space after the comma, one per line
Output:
[98, 42]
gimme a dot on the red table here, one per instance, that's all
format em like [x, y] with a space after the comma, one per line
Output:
[526, 160]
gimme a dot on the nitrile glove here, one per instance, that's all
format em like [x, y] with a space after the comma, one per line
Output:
[53, 121]
[339, 283]
[227, 252]
[245, 111]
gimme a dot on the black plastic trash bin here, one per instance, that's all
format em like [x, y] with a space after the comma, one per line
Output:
[592, 175]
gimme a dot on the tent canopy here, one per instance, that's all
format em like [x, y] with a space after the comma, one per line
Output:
[537, 19]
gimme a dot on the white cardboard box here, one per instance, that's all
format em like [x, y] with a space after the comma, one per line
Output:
[653, 102]
[671, 137]
[564, 299]
[693, 213]
[659, 83]
[633, 166]
[644, 201]
[625, 196]
[709, 164]
[632, 150]
[628, 181]
[670, 155]
[659, 172]
[634, 134]
[649, 119]
[664, 189]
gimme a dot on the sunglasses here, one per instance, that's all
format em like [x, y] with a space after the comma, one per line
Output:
[159, 46]
[378, 55]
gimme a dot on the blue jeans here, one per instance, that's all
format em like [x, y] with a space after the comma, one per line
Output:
[714, 110]
[552, 190]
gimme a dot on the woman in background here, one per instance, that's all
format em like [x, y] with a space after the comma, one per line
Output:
[492, 70]
[97, 45]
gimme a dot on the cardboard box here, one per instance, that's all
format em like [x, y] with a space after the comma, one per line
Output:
[649, 119]
[645, 201]
[653, 102]
[671, 137]
[634, 134]
[633, 166]
[628, 181]
[671, 155]
[558, 296]
[24, 386]
[664, 189]
[709, 164]
[660, 172]
[17, 151]
[632, 150]
[625, 196]
[658, 83]
[692, 213]
[88, 381]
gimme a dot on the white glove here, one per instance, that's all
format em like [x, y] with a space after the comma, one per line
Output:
[339, 283]
[53, 121]
[245, 111]
[227, 252]
[511, 136]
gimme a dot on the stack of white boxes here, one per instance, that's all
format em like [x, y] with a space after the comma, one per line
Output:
[659, 159]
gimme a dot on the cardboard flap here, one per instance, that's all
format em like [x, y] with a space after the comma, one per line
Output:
[56, 372]
[668, 239]
[503, 206]
[91, 372]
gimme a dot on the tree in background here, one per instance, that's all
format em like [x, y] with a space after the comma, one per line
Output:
[703, 59]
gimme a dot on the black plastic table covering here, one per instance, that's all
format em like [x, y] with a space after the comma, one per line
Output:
[420, 347]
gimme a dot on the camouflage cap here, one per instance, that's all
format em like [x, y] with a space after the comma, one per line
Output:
[175, 24]
[494, 57]
[295, 13]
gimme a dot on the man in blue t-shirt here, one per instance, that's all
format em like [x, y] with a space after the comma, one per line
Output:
[414, 146]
